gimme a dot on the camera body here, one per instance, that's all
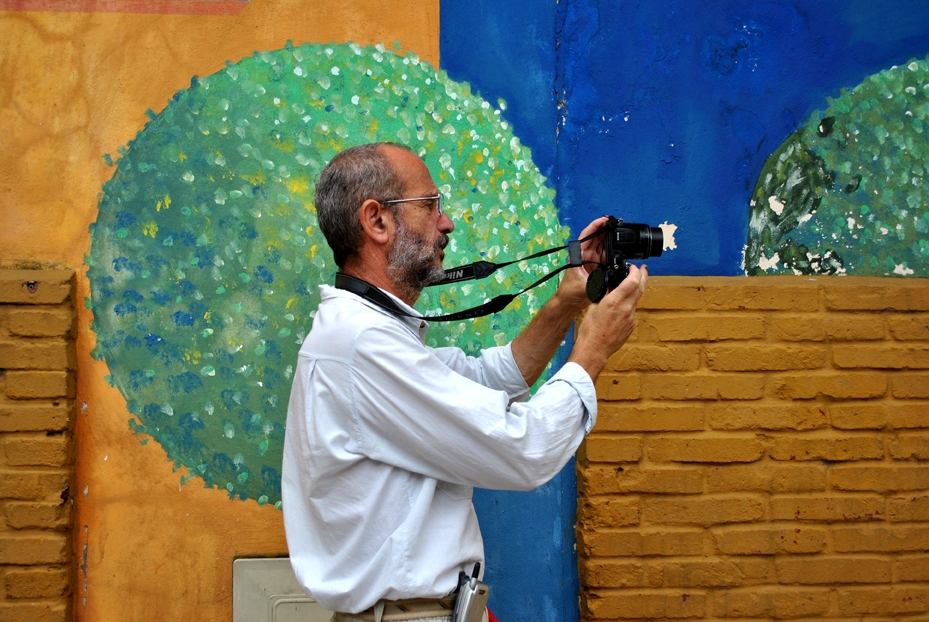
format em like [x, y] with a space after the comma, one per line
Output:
[621, 242]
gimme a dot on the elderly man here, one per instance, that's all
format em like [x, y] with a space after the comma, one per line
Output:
[386, 436]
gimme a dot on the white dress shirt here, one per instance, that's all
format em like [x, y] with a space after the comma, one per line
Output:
[385, 439]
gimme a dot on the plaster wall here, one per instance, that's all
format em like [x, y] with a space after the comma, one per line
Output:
[77, 86]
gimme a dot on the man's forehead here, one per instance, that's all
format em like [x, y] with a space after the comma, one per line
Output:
[409, 167]
[402, 157]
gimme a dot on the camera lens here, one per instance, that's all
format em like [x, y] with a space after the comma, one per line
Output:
[655, 238]
[640, 241]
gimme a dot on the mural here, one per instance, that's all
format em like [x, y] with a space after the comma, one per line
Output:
[669, 111]
[849, 192]
[191, 7]
[206, 254]
[659, 111]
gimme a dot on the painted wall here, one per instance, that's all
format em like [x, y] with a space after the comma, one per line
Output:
[657, 115]
[669, 112]
[675, 112]
[78, 87]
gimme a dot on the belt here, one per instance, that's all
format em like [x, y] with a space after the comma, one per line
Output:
[409, 609]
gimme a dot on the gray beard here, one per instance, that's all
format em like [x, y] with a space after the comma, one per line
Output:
[411, 261]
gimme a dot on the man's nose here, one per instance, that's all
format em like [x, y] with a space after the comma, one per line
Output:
[445, 223]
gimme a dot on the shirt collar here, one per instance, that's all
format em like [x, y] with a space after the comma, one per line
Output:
[419, 325]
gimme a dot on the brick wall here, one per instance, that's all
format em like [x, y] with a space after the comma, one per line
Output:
[762, 451]
[36, 458]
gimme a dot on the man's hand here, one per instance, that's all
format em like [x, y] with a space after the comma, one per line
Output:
[573, 287]
[609, 323]
[536, 345]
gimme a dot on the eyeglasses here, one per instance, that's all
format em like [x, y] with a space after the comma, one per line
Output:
[436, 199]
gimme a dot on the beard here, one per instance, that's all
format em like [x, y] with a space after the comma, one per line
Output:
[411, 262]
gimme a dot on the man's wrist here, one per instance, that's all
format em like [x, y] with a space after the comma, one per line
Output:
[568, 304]
[591, 359]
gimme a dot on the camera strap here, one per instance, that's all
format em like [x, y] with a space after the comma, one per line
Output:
[477, 270]
[483, 269]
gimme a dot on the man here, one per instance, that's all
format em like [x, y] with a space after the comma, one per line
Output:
[385, 436]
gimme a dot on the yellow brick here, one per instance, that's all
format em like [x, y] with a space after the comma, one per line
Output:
[793, 603]
[32, 450]
[41, 611]
[781, 602]
[828, 508]
[42, 582]
[707, 327]
[878, 415]
[767, 357]
[600, 448]
[704, 449]
[769, 540]
[655, 358]
[826, 448]
[670, 386]
[875, 539]
[23, 416]
[672, 293]
[32, 485]
[613, 574]
[704, 510]
[36, 354]
[874, 294]
[915, 568]
[909, 327]
[769, 293]
[911, 386]
[858, 416]
[845, 386]
[28, 550]
[608, 512]
[909, 508]
[643, 542]
[766, 416]
[766, 477]
[639, 605]
[35, 286]
[883, 601]
[629, 418]
[880, 478]
[40, 322]
[868, 356]
[39, 384]
[834, 327]
[823, 569]
[694, 573]
[618, 387]
[909, 446]
[743, 604]
[596, 480]
[52, 515]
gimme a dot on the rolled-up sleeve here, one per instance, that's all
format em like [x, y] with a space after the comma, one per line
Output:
[454, 418]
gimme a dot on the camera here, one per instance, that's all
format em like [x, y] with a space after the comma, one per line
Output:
[622, 241]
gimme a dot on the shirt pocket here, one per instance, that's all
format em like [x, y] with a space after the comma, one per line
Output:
[455, 491]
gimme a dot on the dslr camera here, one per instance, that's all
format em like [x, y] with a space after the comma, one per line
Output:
[622, 241]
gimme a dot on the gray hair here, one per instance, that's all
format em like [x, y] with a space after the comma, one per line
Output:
[352, 177]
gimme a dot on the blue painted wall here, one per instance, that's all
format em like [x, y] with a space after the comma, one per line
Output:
[655, 112]
[671, 108]
[505, 50]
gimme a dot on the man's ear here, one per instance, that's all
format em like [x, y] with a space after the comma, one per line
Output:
[377, 221]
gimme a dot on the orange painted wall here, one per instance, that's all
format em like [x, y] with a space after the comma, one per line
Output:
[76, 86]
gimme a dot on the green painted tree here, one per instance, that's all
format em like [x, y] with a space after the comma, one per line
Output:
[206, 254]
[849, 192]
